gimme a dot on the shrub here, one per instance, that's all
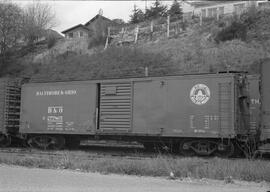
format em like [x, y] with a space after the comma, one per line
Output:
[97, 40]
[250, 17]
[51, 42]
[236, 30]
[222, 24]
[184, 25]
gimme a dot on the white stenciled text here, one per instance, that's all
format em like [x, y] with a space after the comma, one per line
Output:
[56, 92]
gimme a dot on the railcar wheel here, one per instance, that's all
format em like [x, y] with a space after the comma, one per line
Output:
[5, 140]
[46, 142]
[198, 147]
[72, 142]
[225, 150]
[185, 148]
[149, 147]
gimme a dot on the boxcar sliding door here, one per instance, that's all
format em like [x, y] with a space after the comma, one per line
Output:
[115, 107]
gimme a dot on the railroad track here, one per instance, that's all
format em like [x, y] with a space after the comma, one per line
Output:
[82, 154]
[92, 153]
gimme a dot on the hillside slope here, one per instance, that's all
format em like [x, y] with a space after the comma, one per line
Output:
[195, 50]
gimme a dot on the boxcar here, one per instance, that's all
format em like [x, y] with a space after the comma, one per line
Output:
[194, 113]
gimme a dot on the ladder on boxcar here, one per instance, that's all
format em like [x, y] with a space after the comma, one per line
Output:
[10, 94]
[12, 106]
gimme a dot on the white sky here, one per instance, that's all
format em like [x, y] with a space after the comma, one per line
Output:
[70, 13]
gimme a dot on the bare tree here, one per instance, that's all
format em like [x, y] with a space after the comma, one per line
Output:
[37, 18]
[10, 27]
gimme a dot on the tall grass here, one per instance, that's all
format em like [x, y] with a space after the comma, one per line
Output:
[117, 62]
[214, 168]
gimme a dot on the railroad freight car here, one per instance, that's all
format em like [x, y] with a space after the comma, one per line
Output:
[254, 102]
[263, 142]
[195, 114]
[10, 109]
[265, 105]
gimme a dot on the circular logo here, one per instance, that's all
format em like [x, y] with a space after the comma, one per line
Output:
[199, 94]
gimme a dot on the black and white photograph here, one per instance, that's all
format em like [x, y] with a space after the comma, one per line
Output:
[134, 96]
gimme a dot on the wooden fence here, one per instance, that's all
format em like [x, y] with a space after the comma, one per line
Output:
[160, 28]
[149, 30]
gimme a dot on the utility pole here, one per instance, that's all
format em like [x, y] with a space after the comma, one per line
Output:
[145, 5]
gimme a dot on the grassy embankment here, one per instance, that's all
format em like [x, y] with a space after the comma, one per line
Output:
[213, 168]
[230, 44]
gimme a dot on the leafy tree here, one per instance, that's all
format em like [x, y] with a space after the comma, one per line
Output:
[236, 30]
[176, 10]
[119, 21]
[155, 11]
[137, 15]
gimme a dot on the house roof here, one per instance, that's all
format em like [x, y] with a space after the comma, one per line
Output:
[96, 17]
[90, 21]
[198, 4]
[74, 27]
[53, 33]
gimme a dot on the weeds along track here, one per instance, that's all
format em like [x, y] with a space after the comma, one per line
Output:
[139, 163]
[94, 153]
[81, 153]
[27, 152]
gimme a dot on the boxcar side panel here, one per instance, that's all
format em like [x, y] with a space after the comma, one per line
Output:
[150, 107]
[67, 108]
[188, 106]
[202, 107]
[265, 90]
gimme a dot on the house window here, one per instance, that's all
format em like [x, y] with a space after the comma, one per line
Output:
[260, 4]
[221, 11]
[81, 34]
[264, 4]
[239, 8]
[203, 12]
[188, 15]
[212, 12]
[70, 35]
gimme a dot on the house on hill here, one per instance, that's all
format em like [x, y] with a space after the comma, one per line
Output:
[97, 25]
[77, 31]
[214, 8]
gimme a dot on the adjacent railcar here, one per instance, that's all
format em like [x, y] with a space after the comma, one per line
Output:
[265, 98]
[254, 102]
[202, 114]
[9, 109]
